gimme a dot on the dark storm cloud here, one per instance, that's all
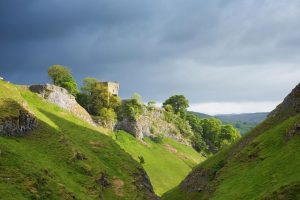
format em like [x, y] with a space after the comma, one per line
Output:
[230, 50]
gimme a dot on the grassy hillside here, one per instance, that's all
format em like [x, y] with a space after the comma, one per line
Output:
[63, 158]
[166, 163]
[263, 165]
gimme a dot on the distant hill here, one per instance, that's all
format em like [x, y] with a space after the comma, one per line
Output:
[244, 122]
[264, 164]
[201, 115]
[250, 118]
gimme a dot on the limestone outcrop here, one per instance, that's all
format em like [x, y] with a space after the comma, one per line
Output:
[142, 181]
[63, 99]
[18, 125]
[289, 107]
[151, 123]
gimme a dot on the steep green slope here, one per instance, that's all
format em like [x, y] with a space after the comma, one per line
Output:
[166, 163]
[64, 157]
[265, 164]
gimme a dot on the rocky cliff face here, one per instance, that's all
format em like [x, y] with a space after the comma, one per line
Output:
[142, 181]
[63, 99]
[152, 122]
[18, 125]
[289, 107]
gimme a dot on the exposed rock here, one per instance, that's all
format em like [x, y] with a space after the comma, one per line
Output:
[286, 192]
[201, 179]
[80, 156]
[63, 99]
[290, 106]
[211, 147]
[295, 130]
[142, 182]
[18, 125]
[149, 124]
[106, 124]
[103, 180]
[196, 181]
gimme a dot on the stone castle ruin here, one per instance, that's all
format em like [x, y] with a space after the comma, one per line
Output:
[112, 87]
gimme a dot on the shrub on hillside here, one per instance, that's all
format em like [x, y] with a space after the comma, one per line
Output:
[181, 124]
[141, 159]
[130, 109]
[106, 118]
[158, 138]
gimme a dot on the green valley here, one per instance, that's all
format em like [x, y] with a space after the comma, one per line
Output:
[149, 100]
[166, 163]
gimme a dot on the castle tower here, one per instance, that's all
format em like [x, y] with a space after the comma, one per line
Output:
[112, 87]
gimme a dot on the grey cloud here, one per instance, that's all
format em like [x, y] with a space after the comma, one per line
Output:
[208, 50]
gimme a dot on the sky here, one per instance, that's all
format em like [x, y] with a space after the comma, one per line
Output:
[225, 56]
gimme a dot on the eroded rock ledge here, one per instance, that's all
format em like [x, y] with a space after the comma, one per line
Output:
[18, 125]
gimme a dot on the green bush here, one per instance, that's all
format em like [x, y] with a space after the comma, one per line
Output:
[141, 159]
[183, 127]
[107, 117]
[158, 138]
[131, 109]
